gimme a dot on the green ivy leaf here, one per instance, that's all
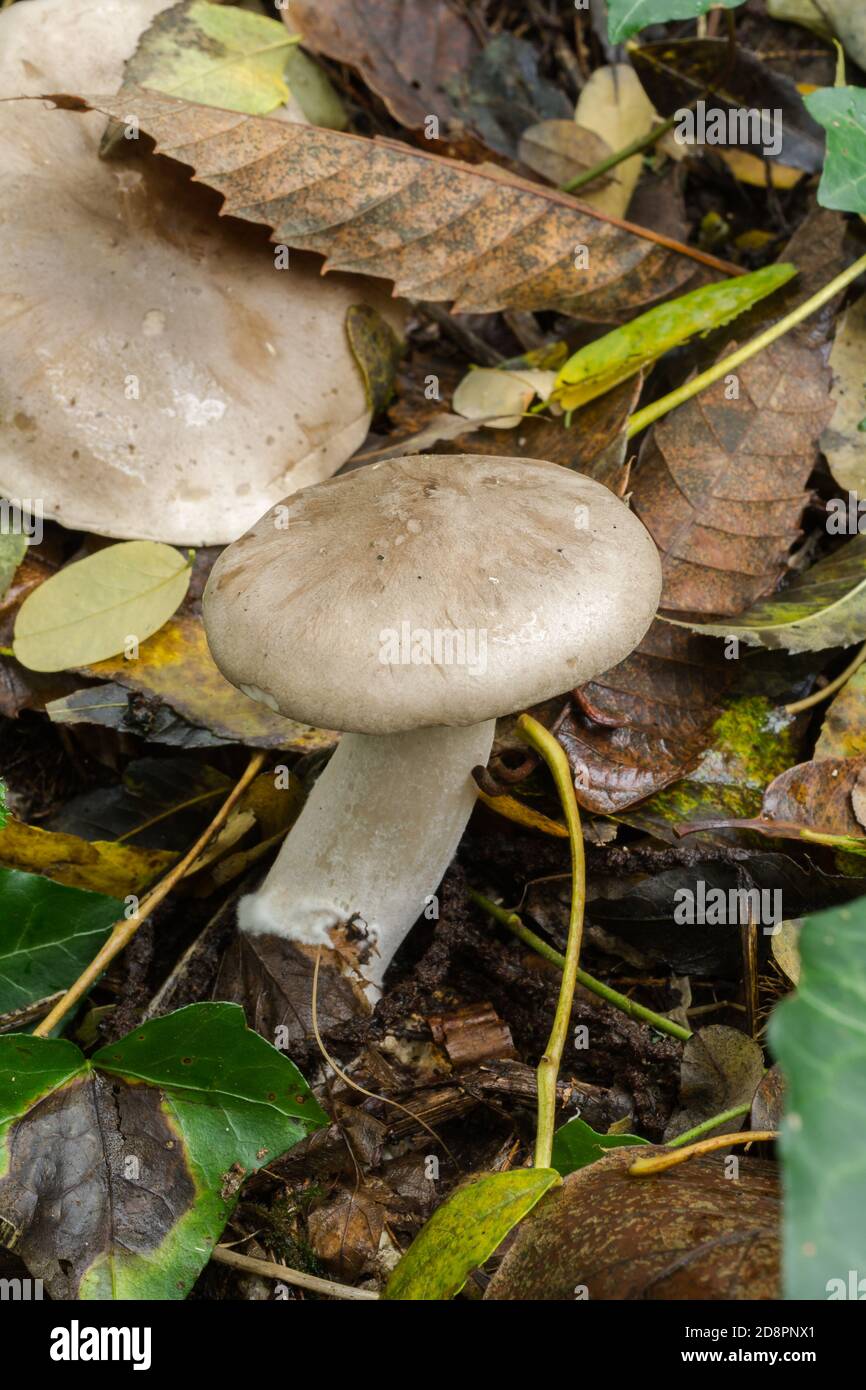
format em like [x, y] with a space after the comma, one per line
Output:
[48, 934]
[465, 1231]
[576, 1144]
[626, 17]
[150, 1142]
[819, 1037]
[842, 113]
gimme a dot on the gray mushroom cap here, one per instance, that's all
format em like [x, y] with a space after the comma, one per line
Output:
[160, 377]
[431, 590]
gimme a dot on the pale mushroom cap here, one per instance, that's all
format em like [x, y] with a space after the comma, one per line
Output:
[160, 378]
[517, 578]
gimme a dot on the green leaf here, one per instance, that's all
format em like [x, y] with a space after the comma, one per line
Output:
[48, 934]
[842, 113]
[819, 1037]
[621, 353]
[93, 608]
[824, 607]
[151, 1160]
[217, 55]
[626, 17]
[314, 91]
[377, 351]
[465, 1231]
[13, 548]
[575, 1144]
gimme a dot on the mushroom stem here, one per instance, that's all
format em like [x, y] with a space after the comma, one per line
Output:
[374, 839]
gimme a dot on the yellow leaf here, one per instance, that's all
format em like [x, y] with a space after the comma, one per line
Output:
[100, 866]
[176, 665]
[99, 606]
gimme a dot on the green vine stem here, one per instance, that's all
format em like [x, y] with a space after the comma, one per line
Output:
[690, 1135]
[656, 409]
[553, 754]
[643, 142]
[612, 996]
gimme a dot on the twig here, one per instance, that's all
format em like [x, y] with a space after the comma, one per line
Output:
[224, 1256]
[642, 418]
[335, 1067]
[123, 931]
[643, 142]
[826, 691]
[611, 996]
[688, 1136]
[553, 754]
[659, 1162]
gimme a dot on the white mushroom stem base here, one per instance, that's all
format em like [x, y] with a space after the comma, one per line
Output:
[374, 839]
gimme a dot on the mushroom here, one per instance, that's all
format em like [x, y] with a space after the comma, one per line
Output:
[408, 604]
[161, 377]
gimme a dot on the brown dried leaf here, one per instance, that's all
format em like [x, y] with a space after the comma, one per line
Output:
[721, 482]
[689, 1233]
[439, 229]
[272, 979]
[722, 1067]
[405, 50]
[663, 701]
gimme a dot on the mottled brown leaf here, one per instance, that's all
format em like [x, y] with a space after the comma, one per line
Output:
[689, 1233]
[439, 229]
[721, 482]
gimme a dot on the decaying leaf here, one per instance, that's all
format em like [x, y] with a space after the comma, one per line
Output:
[560, 150]
[13, 548]
[220, 55]
[843, 732]
[614, 106]
[722, 1068]
[498, 398]
[844, 439]
[825, 606]
[98, 866]
[389, 210]
[689, 1233]
[464, 1232]
[645, 723]
[166, 375]
[407, 50]
[377, 351]
[188, 1097]
[728, 81]
[176, 666]
[502, 92]
[813, 801]
[108, 603]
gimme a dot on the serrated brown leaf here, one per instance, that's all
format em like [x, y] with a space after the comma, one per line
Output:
[440, 230]
[721, 482]
[405, 50]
